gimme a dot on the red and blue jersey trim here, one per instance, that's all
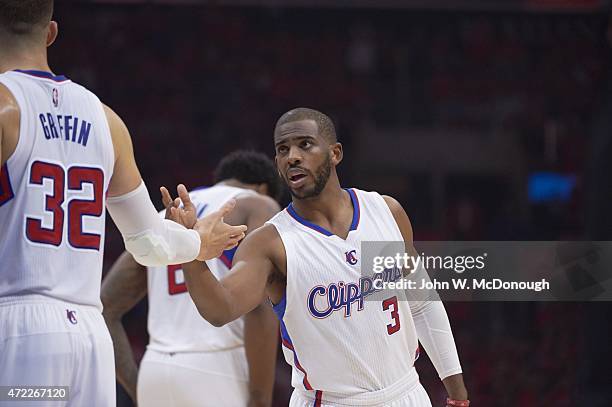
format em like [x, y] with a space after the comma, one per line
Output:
[318, 398]
[356, 209]
[279, 310]
[43, 74]
[227, 257]
[322, 230]
[6, 189]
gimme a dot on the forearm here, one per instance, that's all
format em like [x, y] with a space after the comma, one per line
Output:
[125, 364]
[455, 387]
[435, 334]
[152, 241]
[213, 301]
[261, 344]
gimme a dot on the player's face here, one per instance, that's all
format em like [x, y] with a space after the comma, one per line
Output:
[303, 158]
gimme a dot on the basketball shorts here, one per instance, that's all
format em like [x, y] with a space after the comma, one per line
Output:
[47, 342]
[406, 393]
[185, 379]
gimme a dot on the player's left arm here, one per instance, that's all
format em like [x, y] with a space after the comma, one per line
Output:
[261, 344]
[9, 124]
[123, 287]
[431, 321]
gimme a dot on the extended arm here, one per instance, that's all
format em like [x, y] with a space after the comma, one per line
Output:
[243, 289]
[432, 324]
[124, 286]
[260, 325]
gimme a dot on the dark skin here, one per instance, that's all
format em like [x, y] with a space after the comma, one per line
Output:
[126, 284]
[260, 264]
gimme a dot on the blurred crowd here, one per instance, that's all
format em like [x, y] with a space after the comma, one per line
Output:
[193, 83]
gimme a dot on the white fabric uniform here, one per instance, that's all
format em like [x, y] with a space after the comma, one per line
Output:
[344, 352]
[52, 215]
[197, 363]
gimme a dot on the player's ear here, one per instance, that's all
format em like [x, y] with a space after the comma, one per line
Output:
[336, 153]
[52, 31]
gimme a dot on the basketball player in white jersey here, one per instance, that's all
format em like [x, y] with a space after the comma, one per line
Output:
[189, 362]
[344, 351]
[63, 155]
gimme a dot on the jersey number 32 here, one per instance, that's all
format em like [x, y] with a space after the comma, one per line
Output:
[72, 180]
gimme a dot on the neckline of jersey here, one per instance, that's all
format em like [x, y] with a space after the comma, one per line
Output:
[43, 74]
[321, 229]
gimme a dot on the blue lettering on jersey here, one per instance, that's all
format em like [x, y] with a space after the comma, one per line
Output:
[65, 128]
[344, 295]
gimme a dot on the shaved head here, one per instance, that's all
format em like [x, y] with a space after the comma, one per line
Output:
[325, 126]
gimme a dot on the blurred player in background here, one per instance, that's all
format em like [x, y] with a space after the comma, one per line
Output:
[189, 362]
[63, 154]
[343, 350]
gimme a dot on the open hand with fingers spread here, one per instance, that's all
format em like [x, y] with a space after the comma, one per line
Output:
[217, 235]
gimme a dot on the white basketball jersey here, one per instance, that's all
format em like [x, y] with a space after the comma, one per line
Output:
[335, 341]
[174, 323]
[52, 189]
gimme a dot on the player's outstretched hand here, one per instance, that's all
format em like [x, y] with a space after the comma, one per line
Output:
[217, 235]
[186, 214]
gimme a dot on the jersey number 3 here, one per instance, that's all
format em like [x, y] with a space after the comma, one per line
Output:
[392, 303]
[76, 209]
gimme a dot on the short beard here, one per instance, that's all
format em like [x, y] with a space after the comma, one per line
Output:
[321, 177]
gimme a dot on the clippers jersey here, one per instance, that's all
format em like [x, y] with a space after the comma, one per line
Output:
[342, 347]
[174, 322]
[52, 190]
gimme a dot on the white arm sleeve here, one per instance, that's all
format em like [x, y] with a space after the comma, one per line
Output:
[151, 240]
[434, 332]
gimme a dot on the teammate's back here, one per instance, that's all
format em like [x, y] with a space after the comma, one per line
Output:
[174, 324]
[63, 156]
[53, 190]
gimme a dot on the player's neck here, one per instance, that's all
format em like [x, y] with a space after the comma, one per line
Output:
[11, 59]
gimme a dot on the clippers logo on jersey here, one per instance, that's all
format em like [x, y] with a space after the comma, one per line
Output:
[71, 315]
[351, 258]
[323, 301]
[55, 97]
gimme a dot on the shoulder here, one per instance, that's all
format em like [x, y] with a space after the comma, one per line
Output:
[9, 123]
[266, 232]
[8, 103]
[393, 204]
[120, 135]
[252, 207]
[257, 202]
[400, 216]
[264, 240]
[114, 121]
